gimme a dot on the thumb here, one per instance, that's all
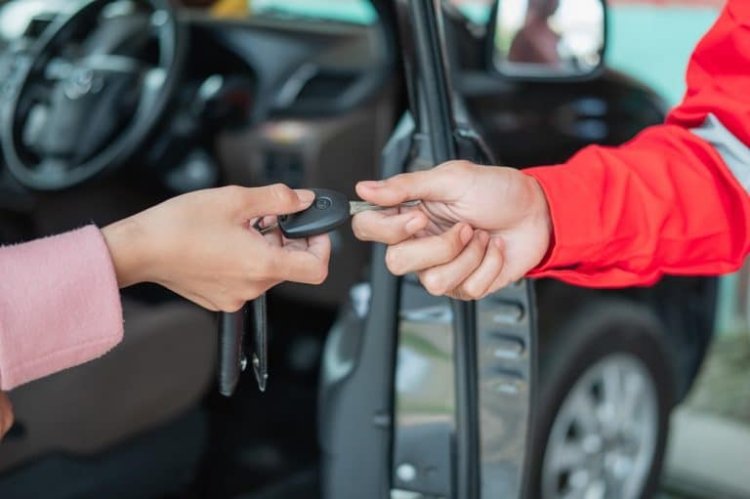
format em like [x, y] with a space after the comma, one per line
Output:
[277, 199]
[438, 184]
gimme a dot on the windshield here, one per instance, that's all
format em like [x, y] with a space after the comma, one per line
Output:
[476, 11]
[346, 11]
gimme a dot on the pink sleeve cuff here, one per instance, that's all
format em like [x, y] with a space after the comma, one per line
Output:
[59, 305]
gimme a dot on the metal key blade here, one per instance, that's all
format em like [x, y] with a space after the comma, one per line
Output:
[354, 208]
[260, 342]
[360, 206]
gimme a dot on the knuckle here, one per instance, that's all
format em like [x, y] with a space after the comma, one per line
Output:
[283, 194]
[477, 293]
[394, 261]
[433, 284]
[362, 227]
[232, 305]
[231, 190]
[357, 229]
[459, 166]
[234, 193]
[455, 246]
[470, 291]
[394, 180]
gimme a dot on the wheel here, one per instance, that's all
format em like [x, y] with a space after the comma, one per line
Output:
[603, 411]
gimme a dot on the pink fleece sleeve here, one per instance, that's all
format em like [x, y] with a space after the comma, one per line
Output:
[59, 305]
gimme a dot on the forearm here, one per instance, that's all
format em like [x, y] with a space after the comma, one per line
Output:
[663, 204]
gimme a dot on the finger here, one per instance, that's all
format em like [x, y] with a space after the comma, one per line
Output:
[442, 279]
[277, 199]
[502, 281]
[477, 285]
[295, 244]
[388, 228]
[320, 246]
[419, 254]
[269, 220]
[274, 238]
[437, 184]
[307, 265]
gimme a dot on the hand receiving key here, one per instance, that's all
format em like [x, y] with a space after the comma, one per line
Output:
[476, 230]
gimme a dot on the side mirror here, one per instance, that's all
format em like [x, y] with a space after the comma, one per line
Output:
[548, 39]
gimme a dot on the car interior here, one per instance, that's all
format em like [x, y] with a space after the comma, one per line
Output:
[256, 99]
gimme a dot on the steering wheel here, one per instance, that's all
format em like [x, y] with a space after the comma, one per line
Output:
[89, 98]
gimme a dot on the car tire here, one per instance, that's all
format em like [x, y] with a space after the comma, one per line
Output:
[602, 416]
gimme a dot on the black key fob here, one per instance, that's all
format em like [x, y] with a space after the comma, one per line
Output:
[231, 335]
[329, 210]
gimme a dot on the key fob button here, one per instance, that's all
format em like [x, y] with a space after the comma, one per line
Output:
[323, 203]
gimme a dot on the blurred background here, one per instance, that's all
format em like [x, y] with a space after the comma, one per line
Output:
[307, 92]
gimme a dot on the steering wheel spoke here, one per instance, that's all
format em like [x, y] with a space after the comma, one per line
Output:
[151, 84]
[53, 168]
[58, 69]
[114, 64]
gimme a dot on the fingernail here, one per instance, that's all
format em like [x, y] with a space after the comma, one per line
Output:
[371, 184]
[483, 237]
[415, 224]
[466, 234]
[498, 243]
[305, 196]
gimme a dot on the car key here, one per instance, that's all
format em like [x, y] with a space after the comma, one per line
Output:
[329, 210]
[260, 342]
[232, 360]
[231, 356]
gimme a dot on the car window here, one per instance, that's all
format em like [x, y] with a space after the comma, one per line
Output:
[476, 11]
[347, 11]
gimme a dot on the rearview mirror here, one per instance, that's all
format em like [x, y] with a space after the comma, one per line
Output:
[548, 39]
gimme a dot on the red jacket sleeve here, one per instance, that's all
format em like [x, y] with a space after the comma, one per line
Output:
[673, 200]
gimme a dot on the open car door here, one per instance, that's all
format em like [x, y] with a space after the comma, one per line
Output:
[423, 396]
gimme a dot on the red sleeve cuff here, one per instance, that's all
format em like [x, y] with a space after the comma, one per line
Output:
[579, 240]
[567, 204]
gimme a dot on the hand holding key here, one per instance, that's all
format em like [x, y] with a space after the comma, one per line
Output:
[200, 245]
[477, 229]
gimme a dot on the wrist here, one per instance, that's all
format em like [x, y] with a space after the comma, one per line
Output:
[128, 247]
[540, 212]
